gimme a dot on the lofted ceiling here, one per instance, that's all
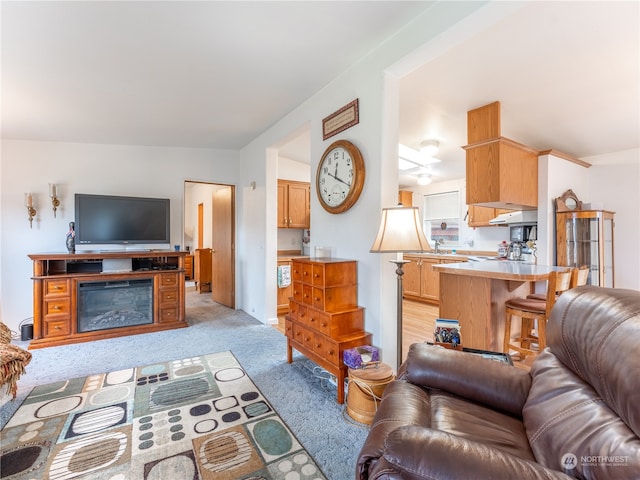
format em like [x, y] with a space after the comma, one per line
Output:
[567, 75]
[217, 74]
[204, 74]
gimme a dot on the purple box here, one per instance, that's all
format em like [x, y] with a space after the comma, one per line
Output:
[356, 357]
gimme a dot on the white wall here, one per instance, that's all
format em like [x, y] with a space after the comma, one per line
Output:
[614, 181]
[555, 176]
[198, 193]
[84, 168]
[349, 234]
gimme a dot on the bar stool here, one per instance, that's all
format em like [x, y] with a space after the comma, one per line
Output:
[533, 312]
[579, 276]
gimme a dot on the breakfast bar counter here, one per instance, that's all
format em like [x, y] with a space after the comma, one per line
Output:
[474, 293]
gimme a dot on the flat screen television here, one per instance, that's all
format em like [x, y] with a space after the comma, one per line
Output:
[108, 219]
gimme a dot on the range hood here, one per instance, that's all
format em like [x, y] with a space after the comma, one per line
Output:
[520, 216]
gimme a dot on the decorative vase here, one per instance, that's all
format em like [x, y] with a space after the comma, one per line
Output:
[71, 238]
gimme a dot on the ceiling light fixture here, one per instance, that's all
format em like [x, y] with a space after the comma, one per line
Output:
[430, 148]
[424, 179]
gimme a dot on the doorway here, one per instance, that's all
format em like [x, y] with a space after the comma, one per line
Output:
[209, 224]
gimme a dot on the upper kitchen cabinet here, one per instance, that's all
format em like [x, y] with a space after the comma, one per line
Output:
[294, 204]
[501, 173]
[405, 198]
[478, 216]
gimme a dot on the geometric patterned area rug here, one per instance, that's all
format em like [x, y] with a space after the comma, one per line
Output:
[199, 418]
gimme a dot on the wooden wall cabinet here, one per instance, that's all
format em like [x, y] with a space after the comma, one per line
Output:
[500, 172]
[585, 237]
[480, 216]
[405, 198]
[294, 204]
[324, 318]
[58, 278]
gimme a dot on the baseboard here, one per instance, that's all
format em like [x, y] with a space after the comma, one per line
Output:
[272, 321]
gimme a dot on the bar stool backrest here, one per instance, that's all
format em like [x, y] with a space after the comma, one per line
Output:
[557, 283]
[579, 276]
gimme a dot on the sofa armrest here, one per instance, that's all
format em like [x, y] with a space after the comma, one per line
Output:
[487, 382]
[418, 453]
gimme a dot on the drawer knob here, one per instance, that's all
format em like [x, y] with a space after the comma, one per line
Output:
[57, 327]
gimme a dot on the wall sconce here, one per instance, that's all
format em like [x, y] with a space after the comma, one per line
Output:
[28, 202]
[53, 193]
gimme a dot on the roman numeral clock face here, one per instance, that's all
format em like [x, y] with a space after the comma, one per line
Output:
[340, 176]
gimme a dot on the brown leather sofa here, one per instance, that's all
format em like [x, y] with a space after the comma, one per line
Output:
[576, 414]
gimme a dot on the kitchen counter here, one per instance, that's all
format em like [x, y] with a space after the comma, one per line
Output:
[284, 255]
[460, 254]
[474, 293]
[500, 269]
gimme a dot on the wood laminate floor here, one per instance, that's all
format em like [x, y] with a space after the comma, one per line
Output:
[418, 322]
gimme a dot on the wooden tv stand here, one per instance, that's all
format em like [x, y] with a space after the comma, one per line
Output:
[58, 276]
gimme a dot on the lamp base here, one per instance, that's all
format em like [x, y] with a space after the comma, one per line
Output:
[399, 273]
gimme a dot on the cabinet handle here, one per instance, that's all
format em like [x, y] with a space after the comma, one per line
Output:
[57, 327]
[56, 307]
[290, 221]
[284, 220]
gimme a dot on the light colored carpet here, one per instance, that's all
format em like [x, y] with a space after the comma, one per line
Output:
[299, 392]
[195, 418]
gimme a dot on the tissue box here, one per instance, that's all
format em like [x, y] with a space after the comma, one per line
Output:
[356, 357]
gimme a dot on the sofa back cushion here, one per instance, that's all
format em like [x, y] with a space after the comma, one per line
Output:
[582, 415]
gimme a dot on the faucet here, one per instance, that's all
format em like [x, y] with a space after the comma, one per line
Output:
[438, 243]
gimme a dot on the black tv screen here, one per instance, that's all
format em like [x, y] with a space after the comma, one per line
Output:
[107, 219]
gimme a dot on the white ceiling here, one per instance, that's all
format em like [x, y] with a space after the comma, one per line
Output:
[217, 74]
[566, 75]
[209, 74]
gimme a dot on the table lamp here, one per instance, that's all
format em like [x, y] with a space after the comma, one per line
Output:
[400, 232]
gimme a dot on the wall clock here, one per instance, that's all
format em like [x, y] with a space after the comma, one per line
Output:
[340, 176]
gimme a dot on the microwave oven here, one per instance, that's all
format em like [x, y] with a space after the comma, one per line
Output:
[522, 234]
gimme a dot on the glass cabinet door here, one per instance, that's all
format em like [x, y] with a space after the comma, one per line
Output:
[586, 238]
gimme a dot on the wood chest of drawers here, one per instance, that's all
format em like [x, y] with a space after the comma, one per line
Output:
[324, 318]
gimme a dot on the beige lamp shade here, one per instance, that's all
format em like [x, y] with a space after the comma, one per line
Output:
[400, 231]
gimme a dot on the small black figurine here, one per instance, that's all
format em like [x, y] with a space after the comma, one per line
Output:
[71, 238]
